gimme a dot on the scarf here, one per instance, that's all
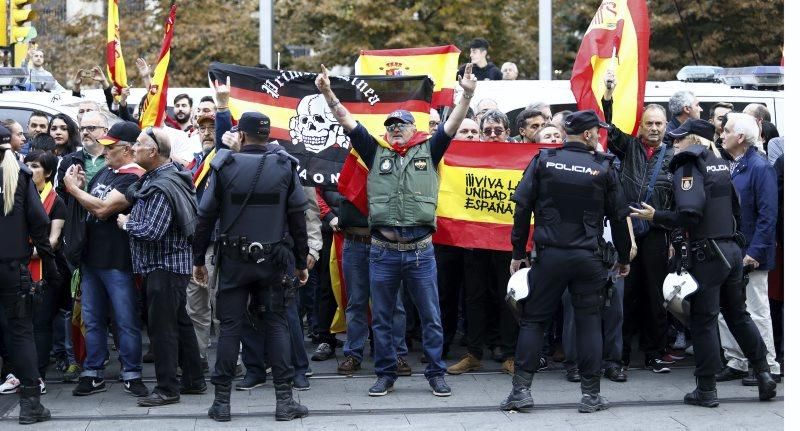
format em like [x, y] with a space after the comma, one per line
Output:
[416, 139]
[48, 198]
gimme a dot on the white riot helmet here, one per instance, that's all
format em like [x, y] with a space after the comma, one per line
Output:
[518, 289]
[677, 288]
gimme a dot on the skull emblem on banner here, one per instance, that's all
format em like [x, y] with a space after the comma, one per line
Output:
[315, 126]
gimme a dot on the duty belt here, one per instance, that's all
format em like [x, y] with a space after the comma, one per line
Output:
[246, 250]
[420, 244]
[364, 239]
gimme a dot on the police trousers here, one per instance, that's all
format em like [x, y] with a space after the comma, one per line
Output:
[557, 269]
[232, 314]
[17, 322]
[721, 289]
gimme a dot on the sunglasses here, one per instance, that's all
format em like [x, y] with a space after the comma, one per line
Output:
[488, 131]
[396, 126]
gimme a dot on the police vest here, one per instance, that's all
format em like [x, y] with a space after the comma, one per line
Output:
[14, 226]
[263, 219]
[717, 207]
[571, 198]
[403, 191]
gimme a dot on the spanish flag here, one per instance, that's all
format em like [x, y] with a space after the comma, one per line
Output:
[477, 181]
[48, 197]
[114, 60]
[338, 284]
[621, 27]
[438, 62]
[155, 105]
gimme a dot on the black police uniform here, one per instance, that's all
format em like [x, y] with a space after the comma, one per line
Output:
[27, 219]
[254, 211]
[570, 190]
[707, 211]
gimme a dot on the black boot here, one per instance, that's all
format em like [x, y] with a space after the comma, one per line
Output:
[766, 384]
[520, 397]
[286, 408]
[705, 395]
[220, 411]
[30, 409]
[591, 401]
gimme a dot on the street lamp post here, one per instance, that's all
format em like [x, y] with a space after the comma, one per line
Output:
[265, 32]
[545, 39]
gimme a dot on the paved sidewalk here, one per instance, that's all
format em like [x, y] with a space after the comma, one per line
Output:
[647, 401]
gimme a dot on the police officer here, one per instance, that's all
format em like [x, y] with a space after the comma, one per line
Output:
[707, 213]
[257, 197]
[22, 216]
[569, 190]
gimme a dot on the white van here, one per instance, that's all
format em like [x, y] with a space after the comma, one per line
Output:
[514, 96]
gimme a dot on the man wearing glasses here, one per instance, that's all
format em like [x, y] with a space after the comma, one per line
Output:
[402, 190]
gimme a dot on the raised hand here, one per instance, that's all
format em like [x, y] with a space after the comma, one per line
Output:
[141, 65]
[323, 82]
[468, 82]
[223, 92]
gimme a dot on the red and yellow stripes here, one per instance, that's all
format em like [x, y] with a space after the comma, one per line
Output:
[438, 62]
[621, 28]
[115, 63]
[155, 105]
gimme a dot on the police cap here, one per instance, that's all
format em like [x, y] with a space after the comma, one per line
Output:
[577, 122]
[254, 123]
[693, 126]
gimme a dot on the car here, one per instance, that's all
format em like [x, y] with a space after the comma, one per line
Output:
[18, 106]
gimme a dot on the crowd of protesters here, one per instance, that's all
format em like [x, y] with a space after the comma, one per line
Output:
[124, 241]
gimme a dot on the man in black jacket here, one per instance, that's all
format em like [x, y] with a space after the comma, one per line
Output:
[643, 299]
[481, 67]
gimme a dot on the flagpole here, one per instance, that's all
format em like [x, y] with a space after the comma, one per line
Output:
[265, 32]
[545, 40]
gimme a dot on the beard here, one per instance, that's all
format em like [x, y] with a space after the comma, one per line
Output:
[182, 117]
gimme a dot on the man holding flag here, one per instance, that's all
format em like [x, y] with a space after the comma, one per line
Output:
[402, 192]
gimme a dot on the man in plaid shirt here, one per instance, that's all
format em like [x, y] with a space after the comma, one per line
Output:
[161, 221]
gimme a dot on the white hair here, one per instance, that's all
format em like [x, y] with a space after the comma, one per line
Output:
[745, 125]
[10, 178]
[680, 100]
[99, 115]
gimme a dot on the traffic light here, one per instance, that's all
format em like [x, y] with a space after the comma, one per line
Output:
[21, 14]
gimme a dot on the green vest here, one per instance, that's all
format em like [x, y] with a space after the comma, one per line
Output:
[403, 191]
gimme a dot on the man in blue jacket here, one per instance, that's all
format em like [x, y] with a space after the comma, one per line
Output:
[757, 185]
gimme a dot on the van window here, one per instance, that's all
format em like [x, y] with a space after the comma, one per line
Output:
[20, 115]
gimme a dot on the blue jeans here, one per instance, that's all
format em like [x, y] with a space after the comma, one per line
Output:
[612, 329]
[417, 271]
[299, 356]
[103, 289]
[355, 265]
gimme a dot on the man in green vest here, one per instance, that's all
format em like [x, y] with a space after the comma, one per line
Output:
[402, 190]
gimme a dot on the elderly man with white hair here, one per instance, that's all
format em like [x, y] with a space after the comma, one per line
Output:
[682, 106]
[756, 183]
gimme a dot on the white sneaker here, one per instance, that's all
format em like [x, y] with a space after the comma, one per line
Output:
[42, 386]
[10, 386]
[690, 350]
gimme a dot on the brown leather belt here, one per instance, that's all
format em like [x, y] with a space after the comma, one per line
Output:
[364, 239]
[404, 246]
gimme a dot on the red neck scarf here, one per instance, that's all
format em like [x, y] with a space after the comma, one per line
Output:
[416, 139]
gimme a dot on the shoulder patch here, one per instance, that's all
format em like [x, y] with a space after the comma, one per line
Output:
[222, 158]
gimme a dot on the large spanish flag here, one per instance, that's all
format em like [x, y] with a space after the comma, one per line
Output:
[621, 27]
[477, 181]
[438, 62]
[301, 120]
[155, 106]
[115, 63]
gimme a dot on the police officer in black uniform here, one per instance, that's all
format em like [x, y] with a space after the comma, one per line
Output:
[570, 190]
[22, 216]
[257, 197]
[707, 214]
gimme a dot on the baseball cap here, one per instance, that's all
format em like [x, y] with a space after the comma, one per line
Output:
[254, 123]
[400, 114]
[126, 131]
[5, 135]
[693, 126]
[580, 121]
